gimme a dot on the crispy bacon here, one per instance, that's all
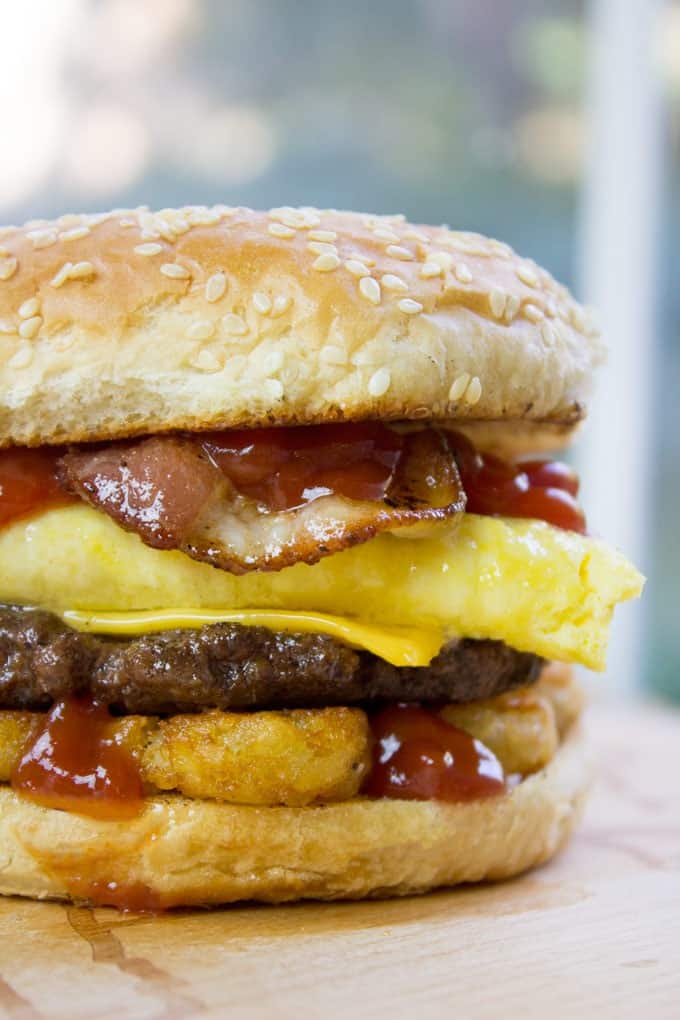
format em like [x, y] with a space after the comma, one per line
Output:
[173, 495]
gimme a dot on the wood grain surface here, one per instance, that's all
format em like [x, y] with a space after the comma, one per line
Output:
[594, 934]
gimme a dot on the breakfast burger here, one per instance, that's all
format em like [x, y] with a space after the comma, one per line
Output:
[290, 589]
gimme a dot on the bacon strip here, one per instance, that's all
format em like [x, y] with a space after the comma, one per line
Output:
[168, 491]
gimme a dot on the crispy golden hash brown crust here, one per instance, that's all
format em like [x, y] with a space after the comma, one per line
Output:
[305, 756]
[134, 322]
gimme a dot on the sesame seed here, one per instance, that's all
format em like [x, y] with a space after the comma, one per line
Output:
[462, 273]
[577, 318]
[416, 235]
[206, 361]
[4, 253]
[75, 234]
[548, 334]
[202, 330]
[441, 258]
[203, 217]
[8, 268]
[430, 269]
[29, 327]
[215, 287]
[281, 230]
[81, 270]
[379, 383]
[473, 392]
[7, 327]
[527, 275]
[512, 306]
[280, 304]
[357, 268]
[397, 252]
[125, 222]
[234, 324]
[179, 225]
[62, 275]
[550, 308]
[42, 238]
[272, 362]
[392, 282]
[274, 388]
[322, 248]
[262, 303]
[533, 313]
[386, 235]
[370, 289]
[333, 355]
[151, 248]
[175, 271]
[459, 386]
[69, 220]
[310, 218]
[410, 307]
[497, 299]
[22, 358]
[325, 263]
[322, 235]
[500, 248]
[96, 218]
[29, 308]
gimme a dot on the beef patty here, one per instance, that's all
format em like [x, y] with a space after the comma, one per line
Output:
[230, 666]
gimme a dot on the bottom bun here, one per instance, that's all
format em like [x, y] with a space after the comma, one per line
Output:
[194, 852]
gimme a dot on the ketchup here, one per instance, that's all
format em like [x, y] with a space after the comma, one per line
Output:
[72, 763]
[28, 482]
[287, 467]
[542, 489]
[129, 897]
[417, 755]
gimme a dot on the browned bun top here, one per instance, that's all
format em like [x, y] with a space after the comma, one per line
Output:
[132, 322]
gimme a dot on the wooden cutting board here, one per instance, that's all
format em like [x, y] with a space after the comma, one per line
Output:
[596, 933]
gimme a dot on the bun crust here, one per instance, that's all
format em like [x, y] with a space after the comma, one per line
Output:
[134, 322]
[189, 852]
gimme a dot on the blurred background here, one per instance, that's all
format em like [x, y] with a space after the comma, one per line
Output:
[554, 125]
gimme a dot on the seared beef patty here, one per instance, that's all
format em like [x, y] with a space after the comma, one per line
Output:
[229, 666]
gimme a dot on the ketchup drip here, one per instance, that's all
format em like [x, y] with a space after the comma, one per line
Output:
[287, 467]
[129, 897]
[417, 755]
[28, 482]
[72, 763]
[541, 489]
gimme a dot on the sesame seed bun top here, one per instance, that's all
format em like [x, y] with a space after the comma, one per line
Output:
[131, 322]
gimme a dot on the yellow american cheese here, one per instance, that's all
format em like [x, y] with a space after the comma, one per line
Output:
[536, 587]
[402, 646]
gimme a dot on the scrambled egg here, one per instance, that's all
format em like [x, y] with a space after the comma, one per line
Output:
[527, 583]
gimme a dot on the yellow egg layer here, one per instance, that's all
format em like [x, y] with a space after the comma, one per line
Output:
[531, 585]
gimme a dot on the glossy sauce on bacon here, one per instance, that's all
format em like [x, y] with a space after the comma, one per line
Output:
[417, 755]
[159, 485]
[286, 467]
[540, 489]
[73, 764]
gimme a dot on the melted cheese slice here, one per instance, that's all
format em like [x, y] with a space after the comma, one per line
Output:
[533, 586]
[402, 646]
